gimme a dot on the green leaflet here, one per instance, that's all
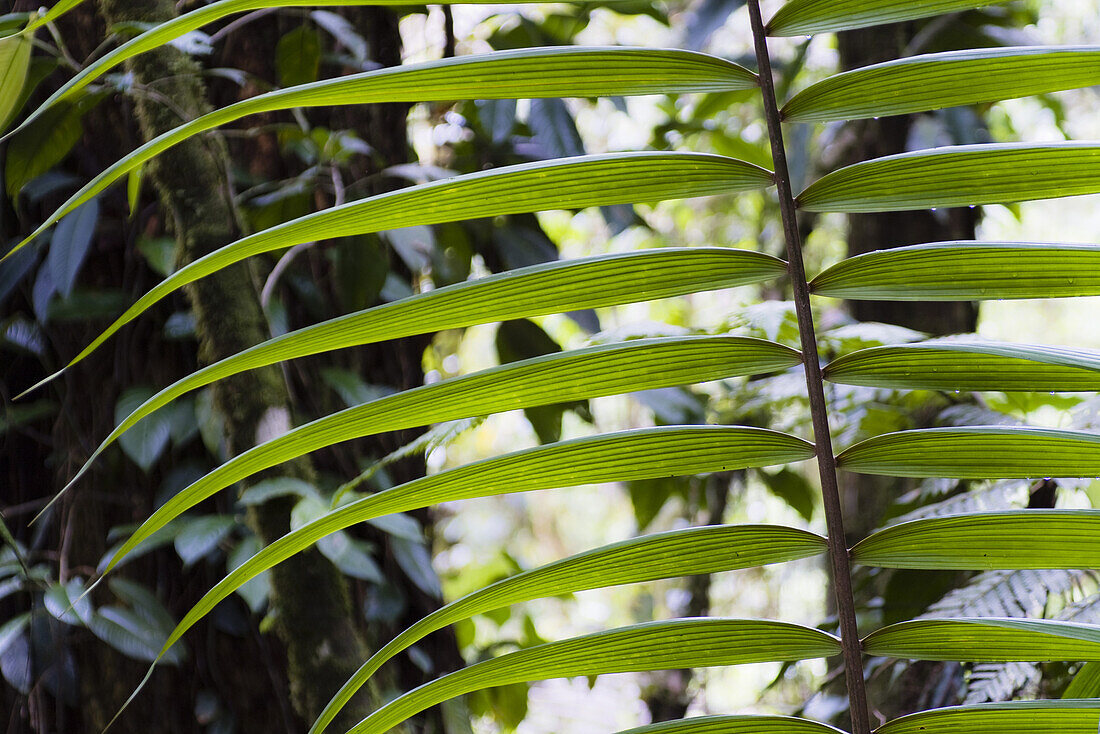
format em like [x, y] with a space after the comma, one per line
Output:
[664, 555]
[935, 81]
[604, 280]
[56, 11]
[960, 175]
[806, 17]
[986, 639]
[979, 452]
[584, 373]
[1023, 539]
[679, 643]
[965, 271]
[637, 454]
[1016, 717]
[170, 30]
[960, 365]
[537, 72]
[736, 725]
[619, 178]
[1086, 684]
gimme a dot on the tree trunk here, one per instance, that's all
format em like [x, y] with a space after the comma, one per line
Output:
[866, 232]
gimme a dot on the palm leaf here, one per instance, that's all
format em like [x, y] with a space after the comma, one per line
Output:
[56, 11]
[986, 639]
[635, 455]
[1020, 717]
[1002, 681]
[664, 555]
[585, 373]
[961, 175]
[978, 452]
[535, 72]
[806, 17]
[1086, 684]
[935, 81]
[555, 287]
[965, 365]
[625, 456]
[561, 184]
[15, 60]
[1036, 539]
[651, 646]
[734, 725]
[174, 28]
[965, 271]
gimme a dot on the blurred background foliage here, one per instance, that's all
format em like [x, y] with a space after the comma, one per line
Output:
[67, 667]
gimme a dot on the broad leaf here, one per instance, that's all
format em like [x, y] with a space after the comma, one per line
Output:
[38, 148]
[145, 444]
[200, 536]
[665, 555]
[15, 60]
[1016, 717]
[678, 643]
[962, 175]
[69, 245]
[556, 287]
[959, 365]
[539, 72]
[1026, 539]
[981, 452]
[935, 81]
[572, 183]
[986, 639]
[584, 373]
[965, 271]
[806, 17]
[298, 56]
[553, 128]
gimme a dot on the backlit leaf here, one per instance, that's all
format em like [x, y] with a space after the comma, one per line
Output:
[962, 175]
[935, 81]
[651, 646]
[806, 17]
[962, 365]
[965, 271]
[1026, 539]
[979, 452]
[595, 371]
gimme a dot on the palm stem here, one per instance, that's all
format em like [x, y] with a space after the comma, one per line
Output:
[838, 550]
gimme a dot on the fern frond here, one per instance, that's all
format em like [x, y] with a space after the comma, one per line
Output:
[1012, 594]
[1007, 494]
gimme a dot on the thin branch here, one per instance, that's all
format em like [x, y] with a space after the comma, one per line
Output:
[838, 551]
[293, 252]
[239, 23]
[448, 32]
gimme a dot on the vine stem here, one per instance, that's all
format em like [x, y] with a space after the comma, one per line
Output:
[826, 463]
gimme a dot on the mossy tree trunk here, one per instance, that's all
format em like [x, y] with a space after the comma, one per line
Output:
[309, 597]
